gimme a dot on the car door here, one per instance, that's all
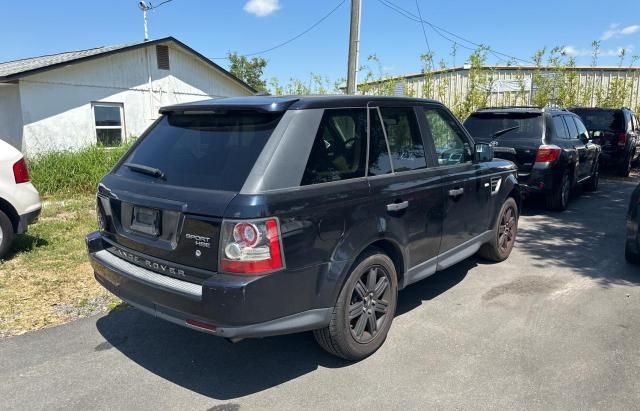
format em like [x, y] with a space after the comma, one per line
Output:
[466, 186]
[583, 169]
[405, 188]
[592, 149]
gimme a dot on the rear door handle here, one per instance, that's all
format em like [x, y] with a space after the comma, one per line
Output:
[397, 206]
[456, 192]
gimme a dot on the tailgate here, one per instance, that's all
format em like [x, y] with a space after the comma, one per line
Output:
[166, 231]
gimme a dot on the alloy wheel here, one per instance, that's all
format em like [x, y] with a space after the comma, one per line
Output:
[507, 230]
[369, 304]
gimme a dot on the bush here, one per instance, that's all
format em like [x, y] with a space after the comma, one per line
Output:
[73, 172]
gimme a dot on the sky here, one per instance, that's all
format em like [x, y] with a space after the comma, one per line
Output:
[214, 27]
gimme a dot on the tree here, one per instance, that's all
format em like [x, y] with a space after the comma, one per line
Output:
[248, 70]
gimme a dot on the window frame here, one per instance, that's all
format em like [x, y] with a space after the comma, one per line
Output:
[121, 127]
[462, 132]
[568, 121]
[428, 155]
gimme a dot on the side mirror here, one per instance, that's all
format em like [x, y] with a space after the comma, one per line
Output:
[585, 138]
[483, 153]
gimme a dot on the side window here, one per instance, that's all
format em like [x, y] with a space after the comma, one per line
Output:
[452, 146]
[379, 158]
[340, 147]
[573, 130]
[560, 127]
[403, 135]
[582, 130]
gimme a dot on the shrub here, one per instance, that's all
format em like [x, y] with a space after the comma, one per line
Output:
[73, 172]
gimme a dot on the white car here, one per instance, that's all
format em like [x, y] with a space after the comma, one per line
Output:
[19, 200]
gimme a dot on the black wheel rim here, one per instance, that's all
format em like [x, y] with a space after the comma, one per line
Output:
[566, 188]
[507, 230]
[369, 304]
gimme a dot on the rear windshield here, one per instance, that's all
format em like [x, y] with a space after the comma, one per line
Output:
[210, 151]
[601, 120]
[485, 126]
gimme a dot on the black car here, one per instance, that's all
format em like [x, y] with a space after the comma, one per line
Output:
[550, 146]
[617, 131]
[258, 216]
[632, 249]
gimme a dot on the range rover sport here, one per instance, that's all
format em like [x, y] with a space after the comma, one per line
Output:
[259, 216]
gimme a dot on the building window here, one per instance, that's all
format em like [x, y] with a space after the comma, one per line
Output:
[109, 124]
[162, 55]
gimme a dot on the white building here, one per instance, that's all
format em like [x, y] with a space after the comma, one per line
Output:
[104, 95]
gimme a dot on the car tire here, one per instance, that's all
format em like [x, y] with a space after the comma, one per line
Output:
[558, 199]
[504, 237]
[594, 180]
[6, 234]
[631, 256]
[364, 310]
[625, 167]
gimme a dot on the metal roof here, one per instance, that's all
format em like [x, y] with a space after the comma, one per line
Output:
[16, 69]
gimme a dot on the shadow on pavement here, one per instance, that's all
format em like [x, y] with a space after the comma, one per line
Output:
[588, 238]
[213, 367]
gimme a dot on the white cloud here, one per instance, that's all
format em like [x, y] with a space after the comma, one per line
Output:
[616, 31]
[262, 8]
[611, 52]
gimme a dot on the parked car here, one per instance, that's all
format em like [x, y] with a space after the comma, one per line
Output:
[617, 131]
[19, 200]
[632, 249]
[550, 146]
[258, 216]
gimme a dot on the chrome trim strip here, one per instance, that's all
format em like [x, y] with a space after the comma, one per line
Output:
[148, 277]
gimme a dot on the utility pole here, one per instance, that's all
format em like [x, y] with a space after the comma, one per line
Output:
[354, 46]
[145, 8]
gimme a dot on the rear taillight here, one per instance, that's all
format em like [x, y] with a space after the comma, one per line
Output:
[547, 154]
[251, 247]
[622, 139]
[21, 172]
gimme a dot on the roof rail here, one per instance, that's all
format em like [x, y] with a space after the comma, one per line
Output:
[505, 107]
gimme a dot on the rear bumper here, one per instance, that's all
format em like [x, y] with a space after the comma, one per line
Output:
[229, 306]
[537, 181]
[613, 158]
[27, 219]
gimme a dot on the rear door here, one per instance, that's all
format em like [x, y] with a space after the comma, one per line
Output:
[466, 189]
[406, 189]
[583, 169]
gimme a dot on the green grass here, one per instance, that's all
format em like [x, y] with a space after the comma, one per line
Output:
[46, 279]
[70, 173]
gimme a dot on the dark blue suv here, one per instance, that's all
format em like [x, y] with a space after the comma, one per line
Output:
[258, 216]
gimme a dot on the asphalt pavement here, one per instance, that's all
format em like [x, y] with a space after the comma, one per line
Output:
[556, 326]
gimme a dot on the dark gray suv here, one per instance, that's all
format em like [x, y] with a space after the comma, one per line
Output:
[259, 216]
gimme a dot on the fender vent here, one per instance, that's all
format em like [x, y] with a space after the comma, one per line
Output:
[496, 182]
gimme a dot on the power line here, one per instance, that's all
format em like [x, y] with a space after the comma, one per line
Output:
[440, 30]
[151, 6]
[426, 39]
[292, 39]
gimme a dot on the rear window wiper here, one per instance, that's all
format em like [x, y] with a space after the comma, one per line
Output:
[505, 131]
[151, 171]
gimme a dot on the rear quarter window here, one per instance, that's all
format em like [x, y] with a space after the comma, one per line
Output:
[206, 151]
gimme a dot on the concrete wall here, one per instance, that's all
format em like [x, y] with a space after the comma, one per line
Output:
[10, 115]
[57, 105]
